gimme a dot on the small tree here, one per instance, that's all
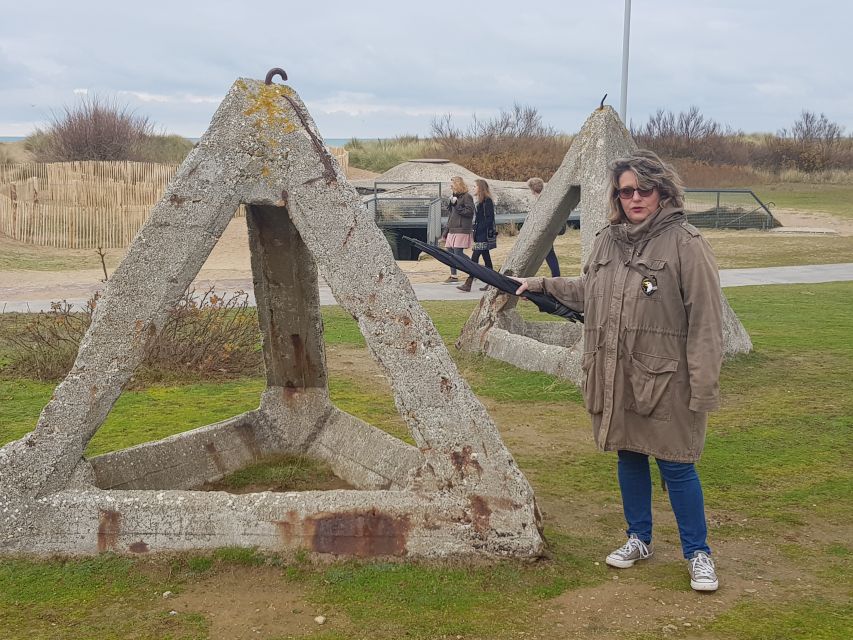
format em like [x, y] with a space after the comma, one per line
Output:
[93, 129]
[514, 145]
[686, 135]
[816, 141]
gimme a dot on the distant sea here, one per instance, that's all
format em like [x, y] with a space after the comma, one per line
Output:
[331, 142]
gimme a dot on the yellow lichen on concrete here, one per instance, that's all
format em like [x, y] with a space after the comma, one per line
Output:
[268, 107]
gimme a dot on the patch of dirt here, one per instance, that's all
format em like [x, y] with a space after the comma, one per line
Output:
[814, 219]
[244, 603]
[655, 596]
[354, 173]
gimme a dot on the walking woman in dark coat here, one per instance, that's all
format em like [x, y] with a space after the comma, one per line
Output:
[460, 217]
[485, 231]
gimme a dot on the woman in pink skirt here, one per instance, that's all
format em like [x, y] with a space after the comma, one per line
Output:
[459, 223]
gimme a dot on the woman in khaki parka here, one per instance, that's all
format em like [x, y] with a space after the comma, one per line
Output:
[650, 294]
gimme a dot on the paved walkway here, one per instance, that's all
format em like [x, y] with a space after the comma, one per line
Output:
[805, 274]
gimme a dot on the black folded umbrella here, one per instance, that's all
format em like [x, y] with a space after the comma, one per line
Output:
[546, 302]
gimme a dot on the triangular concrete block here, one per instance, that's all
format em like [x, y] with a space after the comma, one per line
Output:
[458, 491]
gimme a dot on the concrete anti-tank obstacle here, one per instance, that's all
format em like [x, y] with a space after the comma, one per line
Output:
[457, 491]
[495, 327]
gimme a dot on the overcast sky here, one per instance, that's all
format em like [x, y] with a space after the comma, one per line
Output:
[381, 68]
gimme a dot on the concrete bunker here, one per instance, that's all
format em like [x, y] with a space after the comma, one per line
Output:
[457, 491]
[495, 327]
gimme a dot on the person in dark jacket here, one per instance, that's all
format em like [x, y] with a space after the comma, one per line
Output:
[652, 351]
[536, 185]
[485, 230]
[460, 220]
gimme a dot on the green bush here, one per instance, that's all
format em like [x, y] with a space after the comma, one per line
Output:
[165, 149]
[381, 155]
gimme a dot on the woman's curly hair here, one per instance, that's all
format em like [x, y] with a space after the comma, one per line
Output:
[651, 171]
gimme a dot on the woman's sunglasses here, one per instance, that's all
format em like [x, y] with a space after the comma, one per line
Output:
[626, 193]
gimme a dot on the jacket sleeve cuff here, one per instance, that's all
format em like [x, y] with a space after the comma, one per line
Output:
[535, 284]
[704, 405]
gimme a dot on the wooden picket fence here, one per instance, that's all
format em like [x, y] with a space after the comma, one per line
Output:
[85, 205]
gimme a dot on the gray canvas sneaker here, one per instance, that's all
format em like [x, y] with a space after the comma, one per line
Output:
[626, 555]
[703, 576]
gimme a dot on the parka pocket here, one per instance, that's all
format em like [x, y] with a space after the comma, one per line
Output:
[649, 376]
[597, 277]
[653, 264]
[593, 392]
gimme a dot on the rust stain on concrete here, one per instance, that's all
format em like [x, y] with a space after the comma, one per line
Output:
[481, 514]
[352, 533]
[109, 527]
[359, 533]
[287, 528]
[465, 460]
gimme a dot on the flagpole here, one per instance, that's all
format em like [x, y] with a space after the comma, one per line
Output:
[623, 100]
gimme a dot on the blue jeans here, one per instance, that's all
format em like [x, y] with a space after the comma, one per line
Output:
[459, 251]
[685, 496]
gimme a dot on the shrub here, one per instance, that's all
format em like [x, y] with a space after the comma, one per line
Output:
[698, 174]
[689, 134]
[93, 129]
[44, 346]
[37, 143]
[381, 155]
[514, 145]
[209, 334]
[203, 334]
[813, 144]
[6, 155]
[166, 149]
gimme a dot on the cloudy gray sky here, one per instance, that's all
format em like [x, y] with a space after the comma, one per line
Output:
[372, 68]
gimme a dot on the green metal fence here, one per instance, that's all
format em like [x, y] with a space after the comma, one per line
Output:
[728, 209]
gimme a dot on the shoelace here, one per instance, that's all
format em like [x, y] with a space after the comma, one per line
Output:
[703, 567]
[635, 543]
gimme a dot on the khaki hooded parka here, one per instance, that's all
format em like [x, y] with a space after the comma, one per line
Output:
[653, 327]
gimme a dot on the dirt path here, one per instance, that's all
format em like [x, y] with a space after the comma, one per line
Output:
[229, 260]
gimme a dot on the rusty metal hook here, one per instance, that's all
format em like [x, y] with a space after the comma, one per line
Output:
[272, 73]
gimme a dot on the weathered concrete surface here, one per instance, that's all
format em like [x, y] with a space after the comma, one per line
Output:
[457, 491]
[495, 327]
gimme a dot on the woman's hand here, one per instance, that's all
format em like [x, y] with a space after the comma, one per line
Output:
[523, 285]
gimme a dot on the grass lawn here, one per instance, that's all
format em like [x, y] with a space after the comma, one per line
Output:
[21, 255]
[776, 473]
[836, 199]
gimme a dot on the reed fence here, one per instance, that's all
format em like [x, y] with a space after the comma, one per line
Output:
[85, 205]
